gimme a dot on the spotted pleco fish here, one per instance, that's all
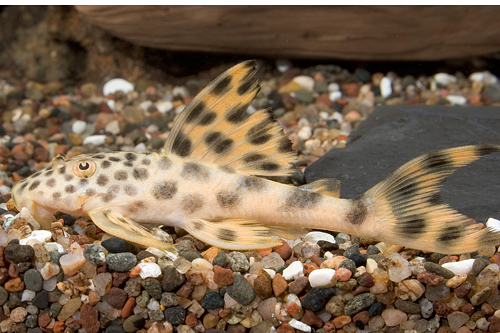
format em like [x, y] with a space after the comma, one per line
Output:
[208, 180]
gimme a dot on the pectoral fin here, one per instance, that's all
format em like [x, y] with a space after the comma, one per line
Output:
[232, 234]
[123, 227]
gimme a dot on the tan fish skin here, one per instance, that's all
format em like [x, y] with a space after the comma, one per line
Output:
[205, 181]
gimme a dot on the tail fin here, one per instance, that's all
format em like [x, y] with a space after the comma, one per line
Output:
[408, 209]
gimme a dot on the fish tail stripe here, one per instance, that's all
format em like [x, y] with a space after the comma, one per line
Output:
[407, 208]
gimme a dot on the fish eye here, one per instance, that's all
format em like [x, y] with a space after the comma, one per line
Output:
[84, 169]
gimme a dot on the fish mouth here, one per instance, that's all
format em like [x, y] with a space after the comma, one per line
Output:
[43, 215]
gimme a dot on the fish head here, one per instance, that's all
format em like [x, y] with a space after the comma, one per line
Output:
[66, 185]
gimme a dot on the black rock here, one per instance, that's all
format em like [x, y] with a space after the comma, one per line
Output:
[114, 329]
[68, 219]
[121, 262]
[19, 253]
[376, 309]
[241, 290]
[175, 315]
[172, 279]
[317, 298]
[359, 303]
[41, 299]
[31, 321]
[116, 245]
[220, 259]
[33, 280]
[362, 75]
[153, 287]
[352, 253]
[55, 308]
[4, 295]
[348, 264]
[372, 249]
[212, 300]
[393, 135]
[34, 330]
[407, 306]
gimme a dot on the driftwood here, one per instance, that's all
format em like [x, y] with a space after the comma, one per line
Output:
[328, 32]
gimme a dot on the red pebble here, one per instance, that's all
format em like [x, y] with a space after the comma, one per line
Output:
[128, 308]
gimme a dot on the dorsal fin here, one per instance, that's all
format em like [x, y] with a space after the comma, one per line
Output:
[327, 186]
[216, 128]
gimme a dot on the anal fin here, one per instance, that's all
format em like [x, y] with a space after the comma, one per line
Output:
[232, 234]
[123, 227]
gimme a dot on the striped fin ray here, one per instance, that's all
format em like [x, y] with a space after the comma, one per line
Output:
[408, 210]
[216, 128]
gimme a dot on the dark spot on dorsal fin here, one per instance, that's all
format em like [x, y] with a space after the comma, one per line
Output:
[212, 137]
[238, 114]
[268, 166]
[195, 112]
[222, 86]
[245, 87]
[182, 145]
[259, 134]
[207, 119]
[253, 157]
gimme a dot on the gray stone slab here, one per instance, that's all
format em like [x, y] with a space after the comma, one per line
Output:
[393, 135]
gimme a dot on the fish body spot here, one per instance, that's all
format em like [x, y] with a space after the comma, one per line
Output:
[194, 171]
[164, 190]
[301, 199]
[228, 199]
[192, 202]
[140, 173]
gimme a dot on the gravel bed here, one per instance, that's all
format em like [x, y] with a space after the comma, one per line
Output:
[74, 277]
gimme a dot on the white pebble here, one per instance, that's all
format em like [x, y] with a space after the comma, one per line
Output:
[164, 106]
[444, 79]
[283, 65]
[305, 133]
[111, 104]
[335, 95]
[485, 77]
[96, 140]
[299, 325]
[28, 295]
[460, 267]
[78, 127]
[316, 236]
[333, 87]
[202, 264]
[324, 115]
[140, 147]
[145, 105]
[53, 246]
[40, 235]
[113, 127]
[400, 269]
[115, 85]
[385, 87]
[322, 278]
[180, 91]
[304, 81]
[149, 269]
[50, 284]
[456, 99]
[493, 224]
[371, 265]
[153, 305]
[338, 117]
[293, 271]
[4, 189]
[271, 272]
